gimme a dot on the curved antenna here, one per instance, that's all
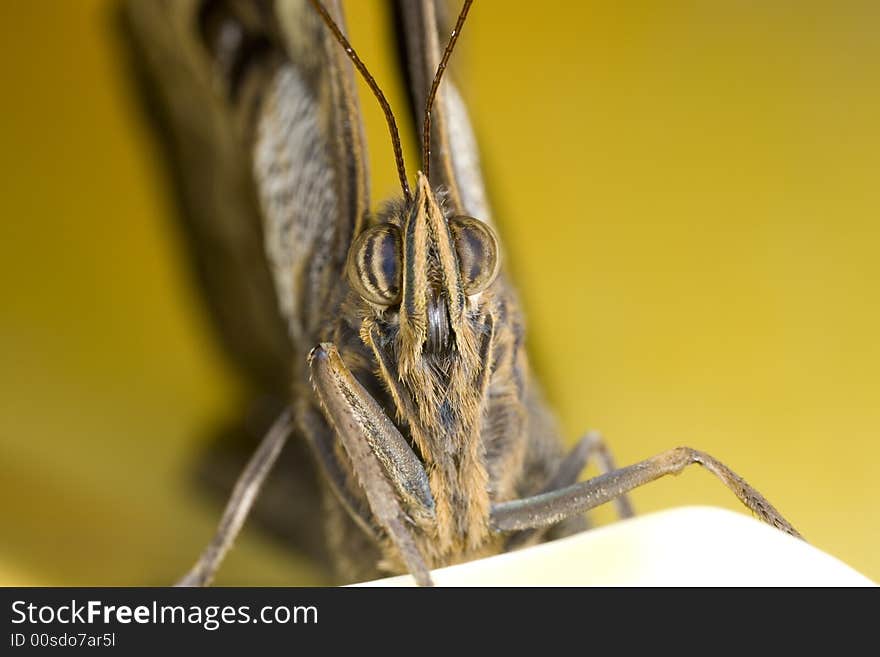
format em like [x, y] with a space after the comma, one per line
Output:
[426, 129]
[374, 87]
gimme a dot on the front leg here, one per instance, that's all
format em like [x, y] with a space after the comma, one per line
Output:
[383, 461]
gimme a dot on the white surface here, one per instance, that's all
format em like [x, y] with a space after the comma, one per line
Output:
[691, 546]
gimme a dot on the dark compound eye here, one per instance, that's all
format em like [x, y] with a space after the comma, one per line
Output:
[374, 264]
[477, 250]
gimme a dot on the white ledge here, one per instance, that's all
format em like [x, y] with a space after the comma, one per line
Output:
[689, 546]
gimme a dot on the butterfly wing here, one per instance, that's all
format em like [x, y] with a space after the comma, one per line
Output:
[262, 135]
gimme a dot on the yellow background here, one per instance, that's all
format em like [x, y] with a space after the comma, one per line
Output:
[688, 197]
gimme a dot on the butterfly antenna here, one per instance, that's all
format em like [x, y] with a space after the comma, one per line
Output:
[374, 87]
[426, 130]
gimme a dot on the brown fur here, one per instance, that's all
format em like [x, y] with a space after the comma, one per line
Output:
[463, 408]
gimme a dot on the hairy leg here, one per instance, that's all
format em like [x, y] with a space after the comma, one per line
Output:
[549, 508]
[243, 495]
[591, 445]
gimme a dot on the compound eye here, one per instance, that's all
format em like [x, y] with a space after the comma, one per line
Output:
[374, 264]
[477, 249]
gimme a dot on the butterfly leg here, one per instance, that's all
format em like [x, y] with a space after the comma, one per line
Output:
[385, 465]
[549, 508]
[592, 445]
[243, 495]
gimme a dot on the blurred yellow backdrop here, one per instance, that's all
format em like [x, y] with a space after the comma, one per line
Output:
[688, 197]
